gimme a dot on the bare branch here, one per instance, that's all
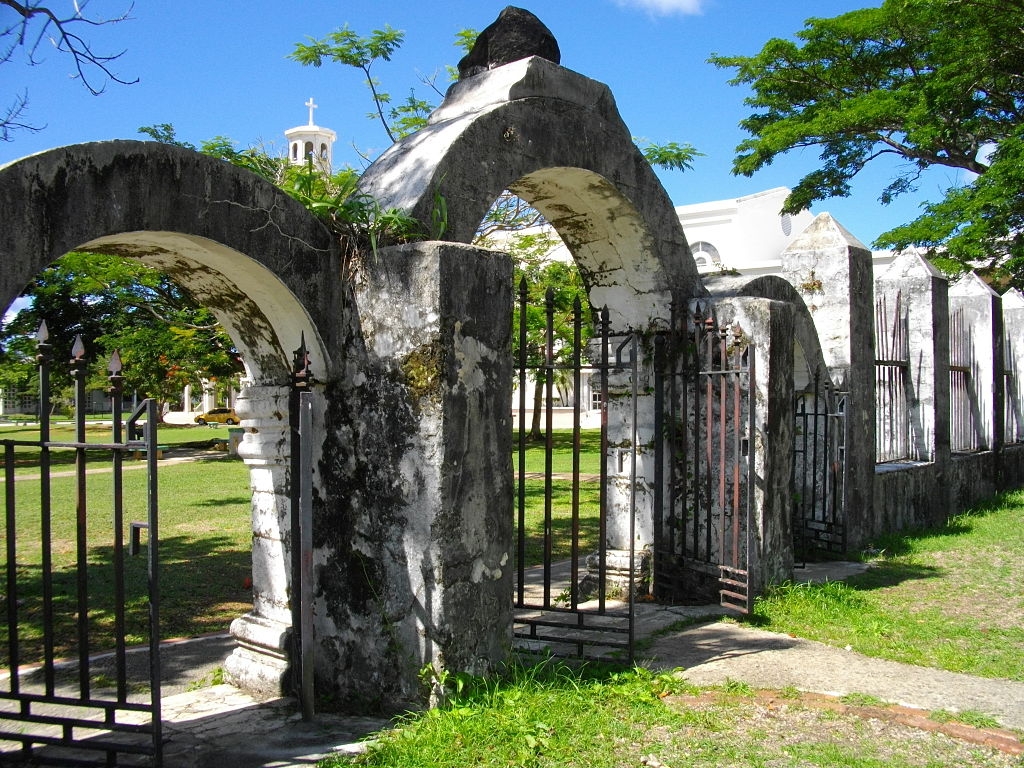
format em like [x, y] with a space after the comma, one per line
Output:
[35, 24]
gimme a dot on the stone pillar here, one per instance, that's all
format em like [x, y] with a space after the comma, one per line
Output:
[414, 541]
[631, 417]
[260, 661]
[924, 291]
[983, 324]
[832, 270]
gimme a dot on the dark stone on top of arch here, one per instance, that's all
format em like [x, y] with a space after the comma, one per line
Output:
[516, 34]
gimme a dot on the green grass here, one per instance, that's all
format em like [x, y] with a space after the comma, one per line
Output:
[950, 598]
[26, 458]
[561, 519]
[205, 551]
[561, 452]
[562, 464]
[596, 717]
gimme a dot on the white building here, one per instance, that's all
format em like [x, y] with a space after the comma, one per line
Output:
[311, 141]
[747, 234]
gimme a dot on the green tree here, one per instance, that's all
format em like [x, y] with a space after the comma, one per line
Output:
[546, 280]
[933, 83]
[346, 46]
[166, 340]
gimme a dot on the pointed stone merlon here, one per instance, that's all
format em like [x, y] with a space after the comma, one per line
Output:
[921, 294]
[976, 330]
[832, 270]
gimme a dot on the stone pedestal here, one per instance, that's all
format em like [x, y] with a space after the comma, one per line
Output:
[617, 575]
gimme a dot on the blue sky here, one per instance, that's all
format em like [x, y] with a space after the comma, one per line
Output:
[220, 67]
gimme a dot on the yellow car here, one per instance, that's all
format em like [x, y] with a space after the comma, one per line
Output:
[218, 416]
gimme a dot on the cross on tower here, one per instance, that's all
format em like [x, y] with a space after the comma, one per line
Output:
[312, 105]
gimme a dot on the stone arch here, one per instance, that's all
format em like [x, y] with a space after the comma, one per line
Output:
[808, 354]
[243, 247]
[246, 250]
[556, 139]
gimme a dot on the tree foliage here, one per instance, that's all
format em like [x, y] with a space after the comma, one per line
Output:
[30, 28]
[930, 82]
[165, 339]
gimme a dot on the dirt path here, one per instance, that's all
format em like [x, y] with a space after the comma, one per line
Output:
[714, 653]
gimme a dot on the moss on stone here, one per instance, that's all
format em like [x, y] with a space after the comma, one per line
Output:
[423, 369]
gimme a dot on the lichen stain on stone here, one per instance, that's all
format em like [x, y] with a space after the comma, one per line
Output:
[423, 369]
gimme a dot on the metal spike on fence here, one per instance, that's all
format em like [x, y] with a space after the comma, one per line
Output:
[77, 349]
[114, 366]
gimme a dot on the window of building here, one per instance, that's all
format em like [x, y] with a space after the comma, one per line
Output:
[705, 254]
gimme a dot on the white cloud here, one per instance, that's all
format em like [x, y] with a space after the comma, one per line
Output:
[665, 7]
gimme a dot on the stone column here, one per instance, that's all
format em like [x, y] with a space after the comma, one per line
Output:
[833, 272]
[631, 417]
[414, 547]
[260, 661]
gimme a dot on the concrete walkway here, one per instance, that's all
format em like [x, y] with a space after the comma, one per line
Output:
[218, 726]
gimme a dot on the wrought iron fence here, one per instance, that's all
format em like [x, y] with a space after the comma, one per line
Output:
[892, 411]
[55, 712]
[819, 456]
[963, 416]
[703, 463]
[573, 597]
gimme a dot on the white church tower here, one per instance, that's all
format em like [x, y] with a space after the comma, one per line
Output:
[310, 140]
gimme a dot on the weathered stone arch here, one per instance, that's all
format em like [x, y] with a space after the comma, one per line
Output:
[808, 354]
[239, 244]
[267, 269]
[556, 139]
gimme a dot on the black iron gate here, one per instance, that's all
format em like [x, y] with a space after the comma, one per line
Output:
[67, 577]
[573, 596]
[818, 460]
[704, 376]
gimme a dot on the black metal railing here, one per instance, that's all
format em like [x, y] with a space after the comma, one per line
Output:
[569, 598]
[892, 372]
[51, 710]
[819, 454]
[704, 377]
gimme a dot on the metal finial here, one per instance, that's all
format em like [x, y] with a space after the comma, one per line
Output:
[115, 366]
[78, 349]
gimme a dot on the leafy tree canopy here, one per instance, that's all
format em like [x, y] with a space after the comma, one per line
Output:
[166, 340]
[931, 82]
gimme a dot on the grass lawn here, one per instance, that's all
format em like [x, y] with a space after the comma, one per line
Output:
[562, 464]
[561, 519]
[206, 545]
[951, 598]
[561, 452]
[553, 715]
[27, 457]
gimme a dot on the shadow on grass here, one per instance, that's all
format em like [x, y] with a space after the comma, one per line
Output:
[203, 584]
[224, 502]
[889, 573]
